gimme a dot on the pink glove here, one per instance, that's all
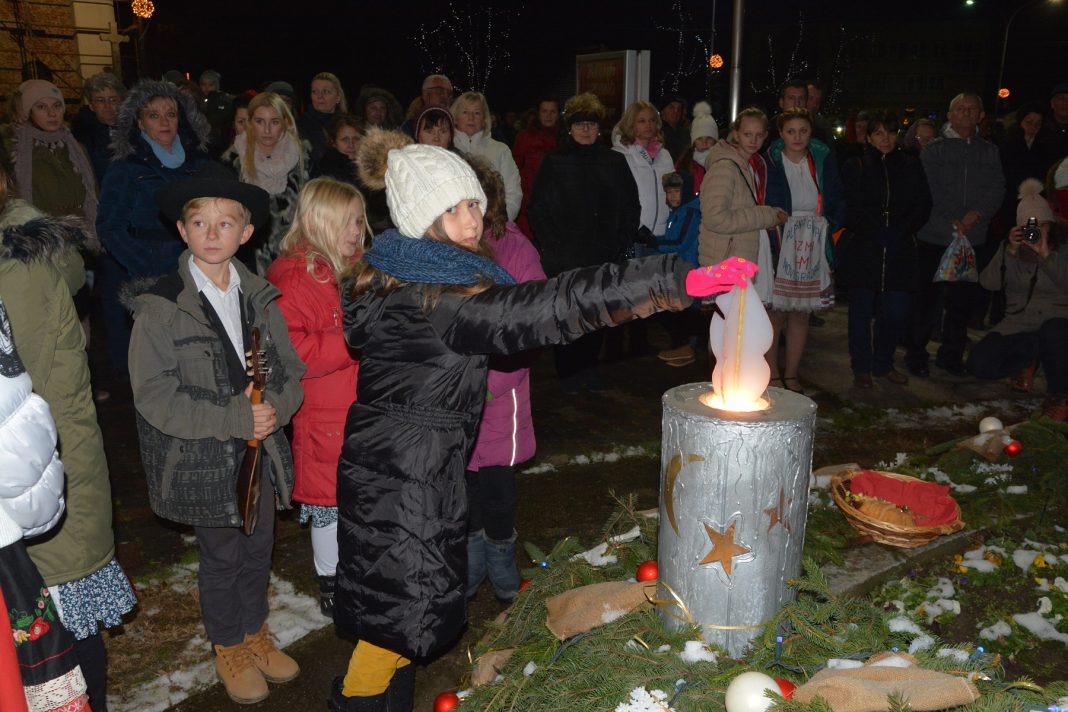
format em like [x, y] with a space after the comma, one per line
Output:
[704, 281]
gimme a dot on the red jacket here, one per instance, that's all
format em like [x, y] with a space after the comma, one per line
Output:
[311, 305]
[531, 146]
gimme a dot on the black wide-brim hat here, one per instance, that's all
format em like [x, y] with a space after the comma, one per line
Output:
[172, 199]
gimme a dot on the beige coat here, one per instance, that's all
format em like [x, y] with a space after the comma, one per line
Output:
[731, 219]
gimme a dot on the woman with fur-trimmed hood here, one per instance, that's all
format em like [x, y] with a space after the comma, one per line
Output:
[159, 138]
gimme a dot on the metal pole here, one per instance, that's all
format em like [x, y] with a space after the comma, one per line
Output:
[736, 57]
[1004, 48]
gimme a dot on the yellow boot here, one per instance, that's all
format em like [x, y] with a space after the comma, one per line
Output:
[275, 665]
[244, 683]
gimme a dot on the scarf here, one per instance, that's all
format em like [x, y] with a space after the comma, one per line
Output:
[26, 136]
[272, 172]
[700, 156]
[648, 149]
[170, 159]
[429, 261]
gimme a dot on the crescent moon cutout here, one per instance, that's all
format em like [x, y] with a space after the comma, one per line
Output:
[673, 469]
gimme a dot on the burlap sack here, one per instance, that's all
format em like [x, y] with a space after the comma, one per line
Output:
[866, 689]
[580, 609]
[490, 665]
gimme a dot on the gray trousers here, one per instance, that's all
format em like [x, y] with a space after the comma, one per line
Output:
[234, 572]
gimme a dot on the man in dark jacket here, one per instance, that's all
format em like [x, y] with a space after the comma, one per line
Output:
[967, 185]
[217, 107]
[675, 125]
[92, 127]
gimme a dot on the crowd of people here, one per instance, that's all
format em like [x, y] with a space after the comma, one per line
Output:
[398, 267]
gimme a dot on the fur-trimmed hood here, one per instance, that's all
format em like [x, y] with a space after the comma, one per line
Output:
[193, 128]
[44, 238]
[394, 112]
[372, 157]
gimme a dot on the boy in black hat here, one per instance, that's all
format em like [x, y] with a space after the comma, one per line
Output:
[188, 360]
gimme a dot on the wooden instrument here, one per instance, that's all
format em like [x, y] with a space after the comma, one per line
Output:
[248, 479]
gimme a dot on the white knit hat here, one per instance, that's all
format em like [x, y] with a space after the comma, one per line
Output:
[703, 125]
[422, 182]
[1032, 204]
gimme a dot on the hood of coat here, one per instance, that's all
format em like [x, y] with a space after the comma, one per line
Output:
[817, 148]
[724, 149]
[193, 128]
[42, 238]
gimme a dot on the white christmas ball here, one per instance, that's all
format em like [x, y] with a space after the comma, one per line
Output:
[746, 692]
[990, 423]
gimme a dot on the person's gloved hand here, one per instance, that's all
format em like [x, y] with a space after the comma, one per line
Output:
[715, 279]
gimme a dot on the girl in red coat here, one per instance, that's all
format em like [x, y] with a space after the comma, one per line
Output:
[327, 235]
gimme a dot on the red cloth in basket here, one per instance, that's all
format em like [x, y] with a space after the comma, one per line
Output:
[929, 503]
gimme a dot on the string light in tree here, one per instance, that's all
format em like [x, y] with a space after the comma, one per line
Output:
[691, 50]
[794, 67]
[143, 8]
[473, 40]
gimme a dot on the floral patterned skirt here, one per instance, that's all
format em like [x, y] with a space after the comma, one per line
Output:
[318, 515]
[48, 665]
[102, 597]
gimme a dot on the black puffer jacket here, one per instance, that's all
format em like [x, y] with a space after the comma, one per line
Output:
[422, 384]
[887, 201]
[584, 209]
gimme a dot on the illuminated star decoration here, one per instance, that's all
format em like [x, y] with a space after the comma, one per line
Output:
[777, 514]
[723, 548]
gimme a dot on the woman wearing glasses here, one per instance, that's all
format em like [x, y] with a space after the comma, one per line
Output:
[584, 210]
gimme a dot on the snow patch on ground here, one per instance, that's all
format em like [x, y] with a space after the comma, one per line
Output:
[614, 455]
[597, 556]
[293, 615]
[1041, 627]
[998, 630]
[696, 651]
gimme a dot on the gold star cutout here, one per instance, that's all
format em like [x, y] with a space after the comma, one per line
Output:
[723, 548]
[777, 514]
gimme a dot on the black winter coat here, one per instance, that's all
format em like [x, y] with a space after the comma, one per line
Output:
[335, 164]
[887, 201]
[402, 503]
[584, 207]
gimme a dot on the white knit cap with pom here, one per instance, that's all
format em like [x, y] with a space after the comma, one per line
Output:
[1032, 204]
[703, 124]
[422, 182]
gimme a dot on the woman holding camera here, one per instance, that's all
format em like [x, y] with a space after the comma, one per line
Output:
[1033, 272]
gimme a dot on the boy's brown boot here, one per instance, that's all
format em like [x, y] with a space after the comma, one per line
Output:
[243, 682]
[275, 665]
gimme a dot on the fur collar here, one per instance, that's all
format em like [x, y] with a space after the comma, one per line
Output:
[193, 128]
[43, 238]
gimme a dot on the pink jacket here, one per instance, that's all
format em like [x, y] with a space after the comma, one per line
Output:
[311, 306]
[506, 434]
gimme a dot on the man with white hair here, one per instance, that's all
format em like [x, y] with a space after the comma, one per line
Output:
[436, 91]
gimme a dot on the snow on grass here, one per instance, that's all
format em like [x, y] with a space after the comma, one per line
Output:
[958, 655]
[1040, 626]
[616, 454]
[1000, 629]
[642, 700]
[1005, 409]
[597, 556]
[292, 616]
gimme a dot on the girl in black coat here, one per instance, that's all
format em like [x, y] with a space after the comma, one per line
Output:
[887, 201]
[426, 307]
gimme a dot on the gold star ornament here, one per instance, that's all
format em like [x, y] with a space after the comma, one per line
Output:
[723, 548]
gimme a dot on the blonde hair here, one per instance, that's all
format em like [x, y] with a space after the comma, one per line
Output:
[472, 97]
[273, 101]
[320, 215]
[198, 203]
[343, 103]
[626, 123]
[750, 113]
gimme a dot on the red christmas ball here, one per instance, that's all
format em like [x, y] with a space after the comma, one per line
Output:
[523, 584]
[446, 702]
[786, 687]
[647, 571]
[1014, 448]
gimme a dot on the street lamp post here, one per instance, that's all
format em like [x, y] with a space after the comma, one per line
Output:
[1005, 47]
[736, 57]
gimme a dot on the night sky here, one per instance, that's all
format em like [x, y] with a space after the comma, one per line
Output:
[252, 42]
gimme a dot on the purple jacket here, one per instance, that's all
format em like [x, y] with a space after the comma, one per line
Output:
[506, 434]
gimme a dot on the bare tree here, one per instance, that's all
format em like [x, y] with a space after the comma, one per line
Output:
[469, 43]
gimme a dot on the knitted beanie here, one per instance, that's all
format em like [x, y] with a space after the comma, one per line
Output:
[422, 182]
[33, 90]
[1032, 204]
[703, 124]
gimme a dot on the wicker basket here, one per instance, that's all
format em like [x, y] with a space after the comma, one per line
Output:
[907, 537]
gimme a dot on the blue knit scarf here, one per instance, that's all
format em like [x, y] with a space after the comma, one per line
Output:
[428, 261]
[171, 159]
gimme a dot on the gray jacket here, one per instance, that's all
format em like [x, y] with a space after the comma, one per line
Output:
[190, 424]
[1025, 308]
[963, 175]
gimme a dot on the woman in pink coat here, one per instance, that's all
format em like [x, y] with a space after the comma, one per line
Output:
[327, 235]
[506, 433]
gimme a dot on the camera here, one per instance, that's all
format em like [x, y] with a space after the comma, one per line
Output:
[1031, 234]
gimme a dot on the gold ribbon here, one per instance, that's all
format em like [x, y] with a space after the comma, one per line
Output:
[686, 616]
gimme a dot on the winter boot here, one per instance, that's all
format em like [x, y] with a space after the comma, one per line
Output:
[339, 703]
[327, 585]
[476, 562]
[1024, 382]
[401, 691]
[500, 566]
[244, 683]
[274, 665]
